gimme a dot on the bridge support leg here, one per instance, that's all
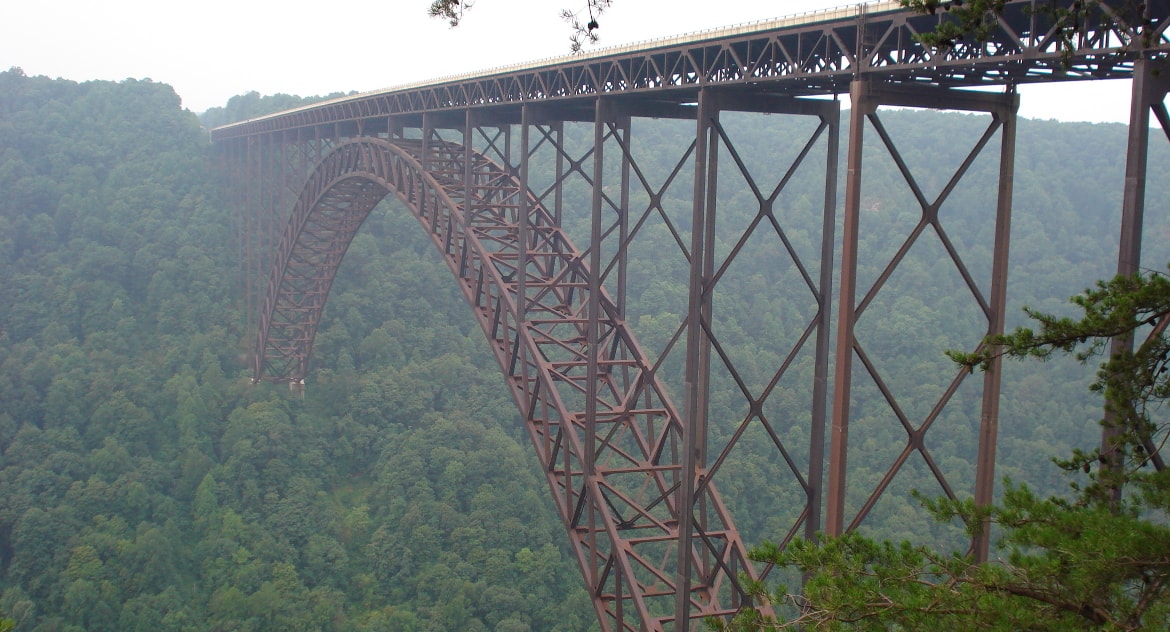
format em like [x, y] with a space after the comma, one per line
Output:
[264, 203]
[992, 377]
[861, 105]
[1148, 93]
[698, 357]
[866, 98]
[816, 456]
[243, 164]
[592, 336]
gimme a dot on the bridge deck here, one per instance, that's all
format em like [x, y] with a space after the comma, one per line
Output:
[811, 54]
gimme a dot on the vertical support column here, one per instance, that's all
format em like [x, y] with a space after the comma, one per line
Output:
[468, 155]
[522, 229]
[1129, 252]
[989, 420]
[623, 216]
[426, 159]
[300, 167]
[244, 155]
[283, 176]
[601, 115]
[697, 351]
[506, 130]
[233, 172]
[860, 105]
[270, 183]
[816, 456]
[263, 210]
[558, 196]
[1145, 92]
[255, 236]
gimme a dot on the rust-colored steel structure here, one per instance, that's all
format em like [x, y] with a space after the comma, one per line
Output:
[632, 460]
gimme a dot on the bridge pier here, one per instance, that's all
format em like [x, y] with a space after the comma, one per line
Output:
[1150, 86]
[865, 97]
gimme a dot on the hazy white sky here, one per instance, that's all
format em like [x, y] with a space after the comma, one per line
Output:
[211, 50]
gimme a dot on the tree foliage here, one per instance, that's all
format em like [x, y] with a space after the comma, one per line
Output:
[450, 10]
[147, 486]
[973, 21]
[1133, 381]
[583, 23]
[970, 20]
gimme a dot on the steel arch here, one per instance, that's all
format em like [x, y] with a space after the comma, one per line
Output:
[607, 435]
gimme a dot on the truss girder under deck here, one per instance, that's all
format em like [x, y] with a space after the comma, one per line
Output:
[607, 436]
[1028, 41]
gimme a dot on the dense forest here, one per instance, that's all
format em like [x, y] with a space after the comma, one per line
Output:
[147, 485]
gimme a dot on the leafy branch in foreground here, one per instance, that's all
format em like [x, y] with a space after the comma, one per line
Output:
[1132, 381]
[450, 10]
[584, 31]
[1083, 562]
[974, 21]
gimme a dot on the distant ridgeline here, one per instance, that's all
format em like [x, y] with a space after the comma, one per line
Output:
[148, 486]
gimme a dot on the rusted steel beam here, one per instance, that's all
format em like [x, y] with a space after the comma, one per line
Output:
[997, 310]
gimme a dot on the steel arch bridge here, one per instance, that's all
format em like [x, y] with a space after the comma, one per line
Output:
[614, 479]
[483, 163]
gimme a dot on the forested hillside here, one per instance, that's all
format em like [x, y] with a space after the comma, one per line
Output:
[146, 485]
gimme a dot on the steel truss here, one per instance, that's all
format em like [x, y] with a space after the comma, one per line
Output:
[816, 57]
[630, 457]
[866, 98]
[559, 331]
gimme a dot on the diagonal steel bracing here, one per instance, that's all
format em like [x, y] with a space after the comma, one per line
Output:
[866, 98]
[632, 446]
[610, 439]
[627, 466]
